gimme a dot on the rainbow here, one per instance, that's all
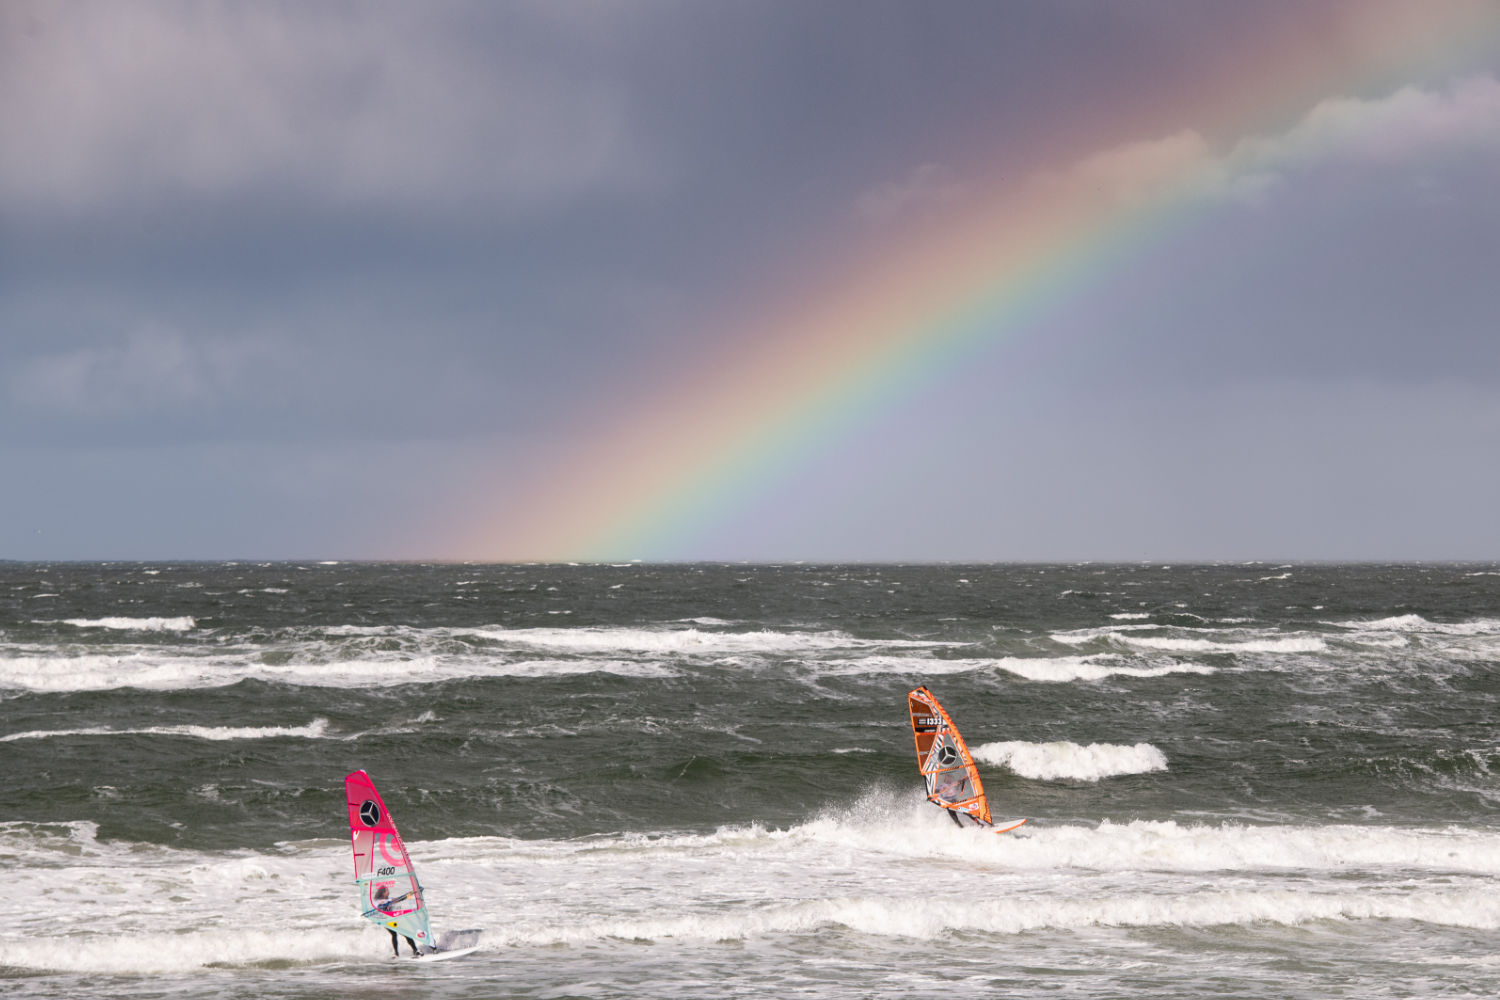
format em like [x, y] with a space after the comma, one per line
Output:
[778, 388]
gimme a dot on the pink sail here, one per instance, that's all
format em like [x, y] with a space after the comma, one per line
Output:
[389, 894]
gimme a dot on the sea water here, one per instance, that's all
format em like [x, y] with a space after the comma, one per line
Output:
[699, 781]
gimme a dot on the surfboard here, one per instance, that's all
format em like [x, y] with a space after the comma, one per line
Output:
[946, 766]
[443, 956]
[389, 894]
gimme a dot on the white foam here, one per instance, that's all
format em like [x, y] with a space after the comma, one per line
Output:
[689, 641]
[890, 866]
[1291, 644]
[1418, 624]
[1052, 670]
[1169, 846]
[1069, 761]
[1070, 876]
[180, 952]
[382, 656]
[182, 624]
[164, 672]
[923, 665]
[938, 917]
[102, 672]
[1180, 639]
[1062, 669]
[1077, 637]
[315, 730]
[38, 843]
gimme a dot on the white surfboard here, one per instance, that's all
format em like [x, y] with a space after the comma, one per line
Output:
[443, 956]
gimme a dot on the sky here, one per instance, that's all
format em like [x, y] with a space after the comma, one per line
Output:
[855, 280]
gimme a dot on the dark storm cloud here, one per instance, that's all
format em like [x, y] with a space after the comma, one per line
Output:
[261, 258]
[259, 220]
[341, 105]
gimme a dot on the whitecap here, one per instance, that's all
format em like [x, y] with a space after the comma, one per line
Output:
[1069, 761]
[182, 624]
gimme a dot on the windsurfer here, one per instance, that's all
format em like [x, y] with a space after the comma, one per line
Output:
[952, 789]
[383, 903]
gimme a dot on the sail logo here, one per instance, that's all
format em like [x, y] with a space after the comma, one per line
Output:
[384, 842]
[369, 812]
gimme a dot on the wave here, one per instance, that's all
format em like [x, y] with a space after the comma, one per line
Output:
[1291, 644]
[41, 842]
[937, 918]
[392, 655]
[164, 672]
[1053, 670]
[158, 953]
[182, 624]
[890, 823]
[1183, 639]
[1418, 624]
[1062, 669]
[734, 884]
[690, 641]
[1080, 636]
[1069, 761]
[922, 917]
[315, 730]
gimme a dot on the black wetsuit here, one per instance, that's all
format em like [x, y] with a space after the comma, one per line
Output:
[396, 945]
[384, 907]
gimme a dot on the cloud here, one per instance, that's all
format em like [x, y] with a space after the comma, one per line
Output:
[1418, 130]
[1404, 127]
[151, 369]
[400, 107]
[1408, 127]
[927, 186]
[1123, 175]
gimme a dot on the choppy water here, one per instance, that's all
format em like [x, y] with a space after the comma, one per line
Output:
[1247, 781]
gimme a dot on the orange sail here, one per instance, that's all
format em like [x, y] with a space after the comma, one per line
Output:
[943, 758]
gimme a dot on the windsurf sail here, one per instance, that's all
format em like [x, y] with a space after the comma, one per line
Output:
[944, 761]
[389, 894]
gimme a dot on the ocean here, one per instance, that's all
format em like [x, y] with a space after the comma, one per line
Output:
[1250, 781]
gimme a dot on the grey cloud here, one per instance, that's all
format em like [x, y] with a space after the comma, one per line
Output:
[390, 109]
[262, 263]
[927, 186]
[148, 369]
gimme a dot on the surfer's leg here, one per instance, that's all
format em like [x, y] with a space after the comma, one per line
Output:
[954, 817]
[414, 952]
[395, 944]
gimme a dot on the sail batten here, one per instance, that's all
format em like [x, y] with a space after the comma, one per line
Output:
[944, 761]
